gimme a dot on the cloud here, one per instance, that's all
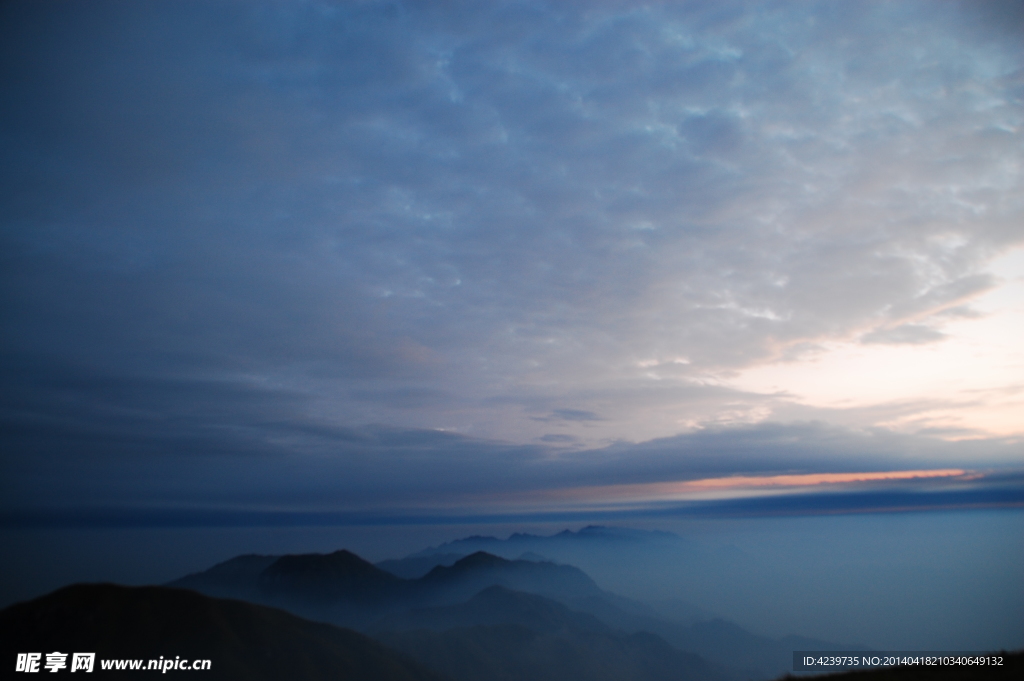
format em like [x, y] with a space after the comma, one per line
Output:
[403, 152]
[126, 448]
[912, 334]
[556, 438]
[251, 230]
[569, 415]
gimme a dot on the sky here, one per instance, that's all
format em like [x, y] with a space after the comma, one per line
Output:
[286, 263]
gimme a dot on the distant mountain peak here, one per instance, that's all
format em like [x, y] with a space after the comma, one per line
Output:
[500, 596]
[480, 559]
[532, 557]
[493, 591]
[325, 578]
[330, 564]
[474, 562]
[589, 534]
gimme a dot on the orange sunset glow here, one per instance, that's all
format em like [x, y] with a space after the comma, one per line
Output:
[741, 485]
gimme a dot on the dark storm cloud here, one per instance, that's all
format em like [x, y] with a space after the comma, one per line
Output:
[235, 233]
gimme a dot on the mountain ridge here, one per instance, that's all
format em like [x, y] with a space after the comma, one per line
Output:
[242, 640]
[370, 599]
[347, 590]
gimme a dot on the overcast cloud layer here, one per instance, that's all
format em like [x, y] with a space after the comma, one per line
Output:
[256, 253]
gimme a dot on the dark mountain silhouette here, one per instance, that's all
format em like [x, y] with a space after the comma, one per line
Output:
[614, 553]
[622, 554]
[340, 587]
[343, 589]
[338, 575]
[235, 578]
[480, 570]
[505, 634]
[493, 606]
[415, 567]
[242, 640]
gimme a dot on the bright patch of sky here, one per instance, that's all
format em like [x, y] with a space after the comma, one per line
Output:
[967, 381]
